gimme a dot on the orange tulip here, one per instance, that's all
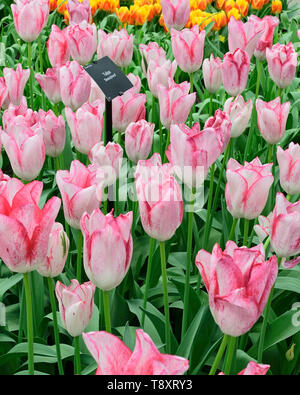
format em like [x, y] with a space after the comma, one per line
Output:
[276, 7]
[257, 4]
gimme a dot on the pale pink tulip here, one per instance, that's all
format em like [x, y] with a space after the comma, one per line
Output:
[159, 197]
[57, 47]
[81, 191]
[212, 73]
[235, 70]
[175, 13]
[30, 117]
[118, 46]
[24, 227]
[82, 41]
[50, 84]
[138, 140]
[271, 119]
[239, 112]
[253, 369]
[15, 82]
[54, 132]
[152, 52]
[4, 98]
[115, 358]
[289, 168]
[221, 125]
[160, 72]
[107, 248]
[187, 46]
[238, 282]
[282, 64]
[247, 188]
[266, 40]
[96, 93]
[76, 305]
[86, 125]
[79, 11]
[136, 82]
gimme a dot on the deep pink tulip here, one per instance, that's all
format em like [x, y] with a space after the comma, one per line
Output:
[138, 140]
[107, 248]
[82, 40]
[212, 73]
[244, 35]
[109, 159]
[57, 47]
[175, 103]
[30, 117]
[159, 197]
[282, 64]
[221, 125]
[176, 13]
[117, 45]
[239, 112]
[283, 227]
[192, 152]
[152, 52]
[75, 85]
[86, 125]
[54, 132]
[115, 358]
[253, 369]
[25, 149]
[160, 72]
[15, 82]
[30, 17]
[58, 248]
[238, 282]
[4, 98]
[235, 70]
[76, 304]
[24, 227]
[247, 188]
[130, 107]
[271, 119]
[50, 84]
[79, 11]
[81, 191]
[289, 168]
[187, 46]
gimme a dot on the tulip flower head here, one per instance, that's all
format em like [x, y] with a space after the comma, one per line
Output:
[175, 13]
[289, 168]
[239, 112]
[212, 73]
[282, 64]
[235, 70]
[118, 46]
[57, 47]
[50, 84]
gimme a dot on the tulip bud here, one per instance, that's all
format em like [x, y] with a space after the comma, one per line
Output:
[290, 354]
[151, 52]
[4, 98]
[235, 70]
[15, 82]
[82, 41]
[138, 140]
[57, 47]
[239, 112]
[175, 13]
[289, 168]
[50, 84]
[117, 45]
[160, 73]
[130, 107]
[54, 132]
[212, 73]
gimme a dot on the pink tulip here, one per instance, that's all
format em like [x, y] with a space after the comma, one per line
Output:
[54, 132]
[247, 188]
[238, 282]
[175, 13]
[221, 125]
[4, 98]
[282, 64]
[253, 369]
[57, 47]
[192, 152]
[239, 112]
[160, 73]
[107, 247]
[30, 117]
[130, 107]
[15, 82]
[96, 93]
[138, 140]
[79, 11]
[30, 17]
[152, 52]
[75, 85]
[24, 227]
[115, 358]
[75, 305]
[235, 70]
[109, 159]
[81, 191]
[82, 40]
[266, 40]
[271, 119]
[86, 125]
[159, 197]
[117, 45]
[289, 168]
[283, 226]
[58, 248]
[175, 103]
[212, 73]
[244, 35]
[50, 84]
[298, 34]
[187, 46]
[25, 149]
[136, 82]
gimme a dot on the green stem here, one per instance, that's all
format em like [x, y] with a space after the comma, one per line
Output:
[160, 139]
[210, 104]
[57, 164]
[270, 153]
[55, 326]
[209, 203]
[188, 267]
[106, 308]
[105, 203]
[29, 323]
[153, 110]
[41, 67]
[31, 74]
[167, 146]
[166, 302]
[219, 355]
[246, 231]
[231, 353]
[232, 230]
[191, 91]
[77, 363]
[79, 255]
[148, 276]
